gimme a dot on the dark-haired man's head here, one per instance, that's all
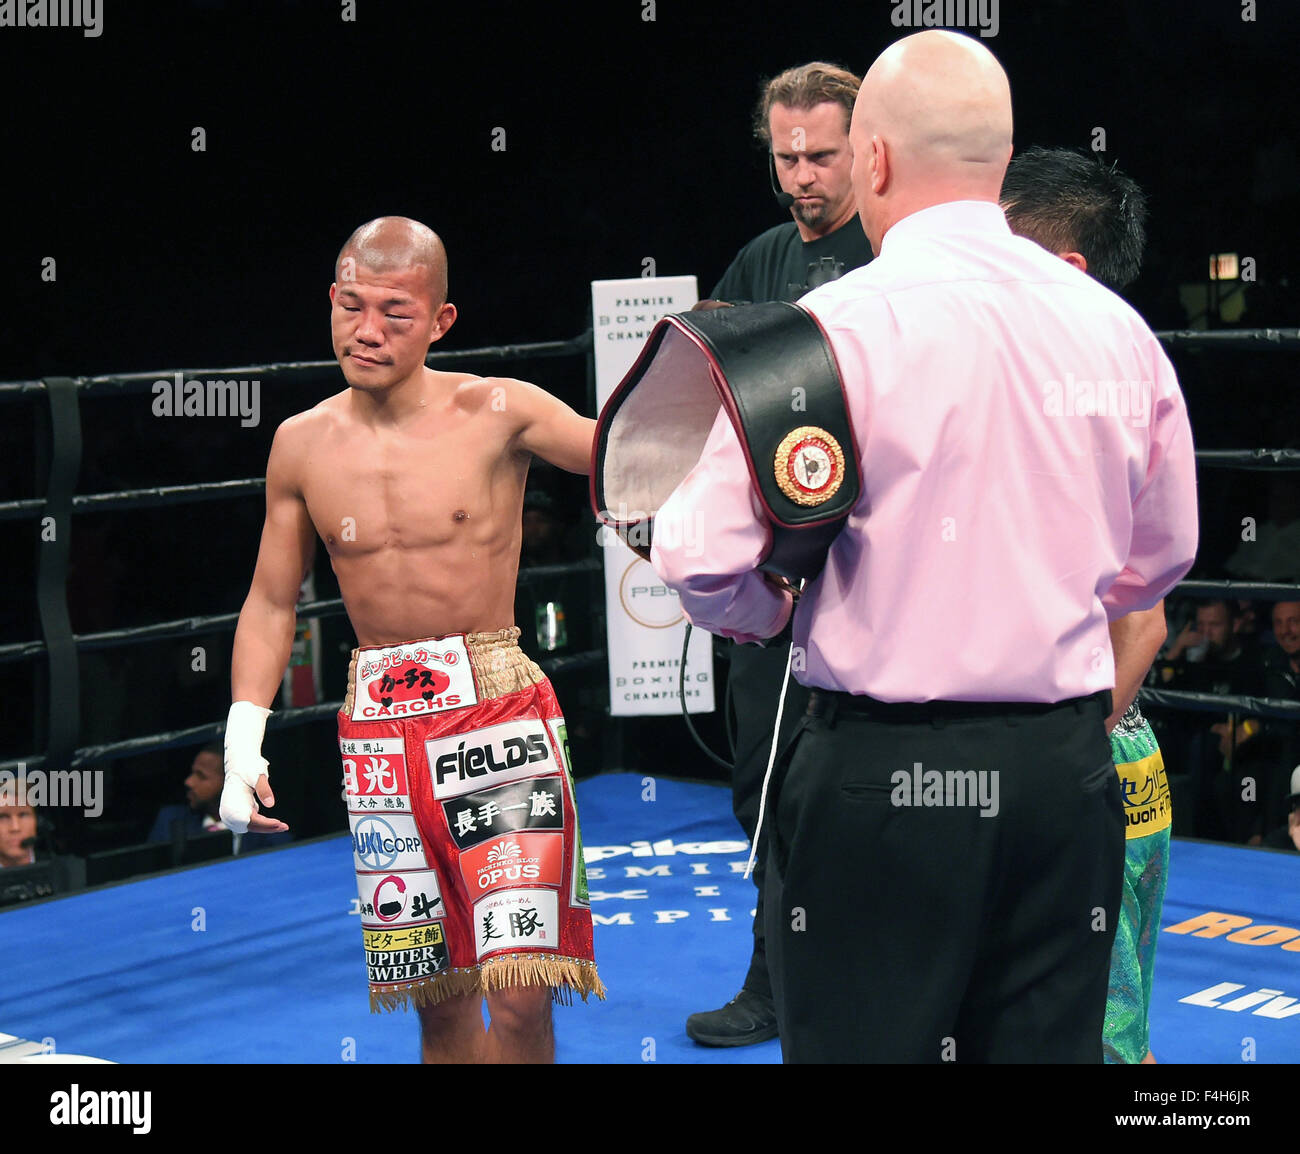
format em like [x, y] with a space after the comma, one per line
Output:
[1214, 621]
[1075, 205]
[206, 777]
[1286, 627]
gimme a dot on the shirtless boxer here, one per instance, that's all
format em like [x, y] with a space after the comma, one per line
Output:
[465, 835]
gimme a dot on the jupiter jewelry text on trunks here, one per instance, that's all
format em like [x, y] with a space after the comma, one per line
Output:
[948, 788]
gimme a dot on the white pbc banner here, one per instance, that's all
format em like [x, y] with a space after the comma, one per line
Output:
[645, 620]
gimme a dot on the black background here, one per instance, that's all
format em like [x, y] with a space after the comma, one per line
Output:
[625, 139]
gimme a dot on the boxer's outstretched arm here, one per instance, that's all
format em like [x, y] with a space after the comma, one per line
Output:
[1135, 639]
[264, 635]
[549, 429]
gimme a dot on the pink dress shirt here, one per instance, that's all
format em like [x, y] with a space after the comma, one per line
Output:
[1027, 476]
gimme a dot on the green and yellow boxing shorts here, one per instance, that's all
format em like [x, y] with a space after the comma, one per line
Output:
[1149, 815]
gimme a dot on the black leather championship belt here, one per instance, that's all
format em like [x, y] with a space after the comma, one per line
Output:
[770, 367]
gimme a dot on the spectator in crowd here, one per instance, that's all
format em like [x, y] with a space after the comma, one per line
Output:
[1216, 656]
[1280, 741]
[203, 798]
[200, 813]
[17, 833]
[1216, 765]
[1246, 624]
[1282, 664]
[26, 840]
[1288, 836]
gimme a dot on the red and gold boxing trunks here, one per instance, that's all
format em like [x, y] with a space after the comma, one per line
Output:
[464, 825]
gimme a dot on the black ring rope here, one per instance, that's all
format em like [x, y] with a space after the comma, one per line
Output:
[1249, 458]
[192, 626]
[125, 384]
[1281, 708]
[224, 622]
[121, 383]
[279, 719]
[140, 498]
[61, 704]
[162, 495]
[1245, 590]
[147, 498]
[1265, 339]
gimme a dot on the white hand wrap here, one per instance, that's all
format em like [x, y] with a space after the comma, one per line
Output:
[245, 725]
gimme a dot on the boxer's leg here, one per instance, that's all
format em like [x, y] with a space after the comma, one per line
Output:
[1151, 885]
[451, 1032]
[521, 1029]
[554, 958]
[1140, 766]
[1124, 1037]
[427, 881]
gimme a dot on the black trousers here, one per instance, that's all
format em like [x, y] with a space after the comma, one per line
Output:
[756, 674]
[975, 926]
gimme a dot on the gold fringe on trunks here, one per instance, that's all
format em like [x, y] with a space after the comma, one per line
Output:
[427, 993]
[563, 975]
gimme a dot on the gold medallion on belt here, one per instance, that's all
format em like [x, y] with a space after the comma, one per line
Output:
[809, 465]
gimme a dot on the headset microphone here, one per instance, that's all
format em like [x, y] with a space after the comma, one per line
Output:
[784, 199]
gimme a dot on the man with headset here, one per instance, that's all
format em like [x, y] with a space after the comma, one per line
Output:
[802, 118]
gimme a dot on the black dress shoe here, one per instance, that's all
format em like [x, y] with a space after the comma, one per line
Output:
[747, 1019]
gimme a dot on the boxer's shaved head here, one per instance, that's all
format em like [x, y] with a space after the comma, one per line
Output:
[393, 243]
[388, 303]
[932, 124]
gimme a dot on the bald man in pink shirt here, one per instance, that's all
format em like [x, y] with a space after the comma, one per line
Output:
[946, 832]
